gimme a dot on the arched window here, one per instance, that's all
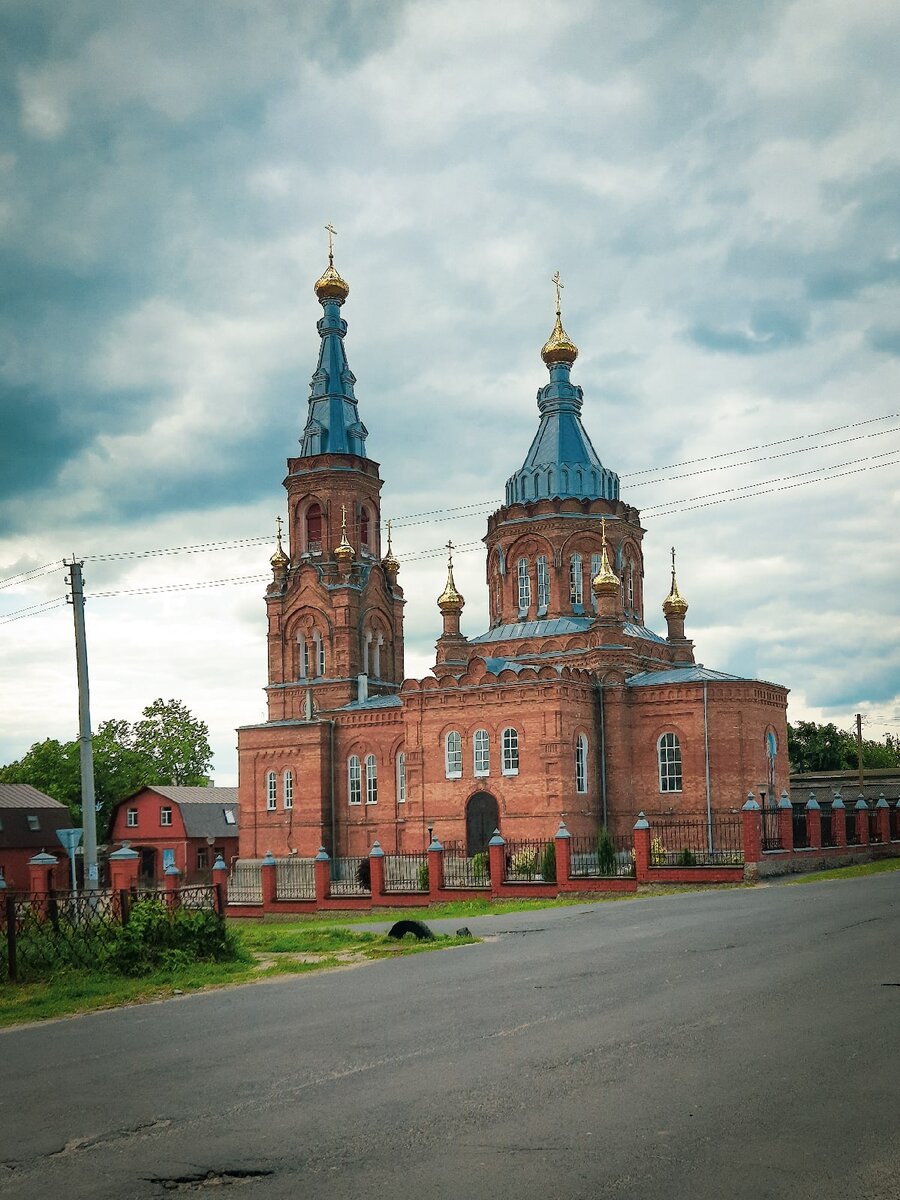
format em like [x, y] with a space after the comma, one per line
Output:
[481, 753]
[306, 660]
[629, 584]
[353, 780]
[401, 778]
[669, 751]
[364, 526]
[287, 789]
[596, 559]
[320, 653]
[510, 752]
[581, 751]
[314, 527]
[453, 755]
[524, 586]
[543, 582]
[271, 790]
[576, 590]
[371, 780]
[771, 755]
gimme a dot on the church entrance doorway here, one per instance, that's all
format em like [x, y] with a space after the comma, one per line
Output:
[482, 818]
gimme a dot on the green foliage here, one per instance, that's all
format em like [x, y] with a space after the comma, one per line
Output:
[481, 866]
[657, 853]
[813, 747]
[154, 938]
[422, 878]
[168, 745]
[524, 862]
[606, 852]
[548, 863]
[686, 858]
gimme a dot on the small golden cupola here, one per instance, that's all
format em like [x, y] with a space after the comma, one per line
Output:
[450, 600]
[606, 581]
[389, 562]
[559, 347]
[330, 285]
[343, 551]
[674, 604]
[279, 559]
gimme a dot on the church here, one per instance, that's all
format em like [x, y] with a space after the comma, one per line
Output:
[569, 707]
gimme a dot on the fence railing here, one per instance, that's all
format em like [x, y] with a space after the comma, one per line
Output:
[697, 843]
[850, 826]
[800, 827]
[874, 826]
[245, 882]
[602, 857]
[351, 876]
[771, 829]
[461, 871]
[894, 822]
[827, 825]
[295, 879]
[527, 861]
[406, 872]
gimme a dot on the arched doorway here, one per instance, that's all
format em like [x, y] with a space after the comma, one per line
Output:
[482, 818]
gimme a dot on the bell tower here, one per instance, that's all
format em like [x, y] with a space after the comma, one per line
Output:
[335, 607]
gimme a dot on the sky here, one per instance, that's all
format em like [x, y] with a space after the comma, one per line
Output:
[718, 184]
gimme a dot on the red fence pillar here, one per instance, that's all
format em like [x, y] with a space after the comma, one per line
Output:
[269, 881]
[563, 846]
[813, 823]
[862, 822]
[497, 860]
[786, 822]
[171, 879]
[376, 871]
[435, 869]
[322, 868]
[220, 883]
[642, 849]
[752, 831]
[883, 817]
[838, 822]
[123, 869]
[40, 872]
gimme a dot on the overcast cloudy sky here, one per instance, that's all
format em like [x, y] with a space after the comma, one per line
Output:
[718, 183]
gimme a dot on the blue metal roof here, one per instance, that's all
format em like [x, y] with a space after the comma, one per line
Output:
[496, 665]
[558, 625]
[373, 702]
[692, 674]
[332, 424]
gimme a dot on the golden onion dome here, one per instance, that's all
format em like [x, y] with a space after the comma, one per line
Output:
[606, 581]
[389, 562]
[674, 604]
[330, 286]
[559, 347]
[450, 600]
[343, 551]
[279, 559]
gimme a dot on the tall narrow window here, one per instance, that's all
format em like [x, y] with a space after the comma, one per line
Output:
[543, 582]
[596, 559]
[306, 657]
[353, 780]
[629, 584]
[669, 751]
[364, 526]
[287, 789]
[401, 778]
[576, 592]
[481, 750]
[371, 780]
[524, 586]
[453, 755]
[510, 752]
[319, 653]
[314, 527]
[581, 749]
[271, 790]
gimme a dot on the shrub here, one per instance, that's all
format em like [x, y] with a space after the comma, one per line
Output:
[154, 938]
[524, 862]
[548, 863]
[364, 875]
[686, 858]
[481, 866]
[657, 853]
[423, 881]
[606, 852]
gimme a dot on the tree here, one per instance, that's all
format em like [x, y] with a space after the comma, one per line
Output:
[813, 747]
[167, 746]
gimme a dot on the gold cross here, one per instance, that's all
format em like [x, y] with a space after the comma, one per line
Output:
[389, 536]
[449, 554]
[558, 283]
[343, 518]
[278, 524]
[332, 232]
[673, 560]
[603, 531]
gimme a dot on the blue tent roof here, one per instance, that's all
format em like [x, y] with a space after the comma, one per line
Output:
[692, 674]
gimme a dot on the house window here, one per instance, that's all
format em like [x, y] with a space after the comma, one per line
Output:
[131, 818]
[401, 778]
[230, 818]
[2, 871]
[453, 755]
[353, 780]
[481, 749]
[320, 654]
[510, 752]
[371, 780]
[34, 823]
[669, 751]
[271, 791]
[314, 528]
[165, 816]
[576, 591]
[287, 784]
[305, 674]
[543, 582]
[596, 560]
[581, 749]
[201, 858]
[524, 586]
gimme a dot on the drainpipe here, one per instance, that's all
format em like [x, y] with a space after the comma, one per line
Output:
[603, 760]
[331, 764]
[709, 836]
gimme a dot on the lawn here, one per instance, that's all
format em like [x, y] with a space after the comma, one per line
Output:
[880, 867]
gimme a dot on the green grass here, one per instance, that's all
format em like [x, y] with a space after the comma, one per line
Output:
[266, 951]
[852, 872]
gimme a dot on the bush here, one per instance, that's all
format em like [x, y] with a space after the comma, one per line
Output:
[481, 866]
[657, 853]
[548, 863]
[423, 882]
[606, 852]
[686, 858]
[364, 875]
[154, 938]
[524, 862]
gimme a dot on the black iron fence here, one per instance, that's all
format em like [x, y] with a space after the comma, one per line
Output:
[850, 827]
[463, 871]
[874, 826]
[295, 879]
[45, 933]
[827, 822]
[894, 822]
[601, 857]
[771, 829]
[406, 872]
[800, 827]
[697, 843]
[530, 861]
[351, 876]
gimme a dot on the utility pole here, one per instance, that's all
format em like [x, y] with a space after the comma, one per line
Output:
[859, 750]
[85, 743]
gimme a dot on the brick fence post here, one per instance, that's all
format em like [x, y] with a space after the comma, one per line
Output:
[220, 883]
[376, 871]
[497, 860]
[752, 830]
[862, 821]
[838, 820]
[786, 822]
[40, 883]
[813, 823]
[883, 817]
[435, 869]
[269, 881]
[642, 849]
[563, 846]
[123, 876]
[322, 869]
[171, 880]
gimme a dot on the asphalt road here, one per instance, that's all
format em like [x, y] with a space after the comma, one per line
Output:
[725, 1044]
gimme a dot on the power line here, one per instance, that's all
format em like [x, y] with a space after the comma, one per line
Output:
[33, 610]
[26, 576]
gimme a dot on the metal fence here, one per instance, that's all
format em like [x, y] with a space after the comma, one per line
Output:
[874, 826]
[800, 827]
[406, 872]
[894, 822]
[245, 882]
[850, 826]
[351, 876]
[601, 857]
[461, 871]
[771, 829]
[530, 861]
[697, 843]
[827, 819]
[295, 878]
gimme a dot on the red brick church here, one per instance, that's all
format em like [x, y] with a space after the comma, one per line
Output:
[567, 707]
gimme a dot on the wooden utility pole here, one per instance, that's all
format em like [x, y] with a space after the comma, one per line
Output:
[859, 750]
